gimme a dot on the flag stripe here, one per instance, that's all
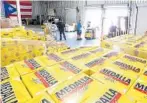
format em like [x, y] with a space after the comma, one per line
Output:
[26, 16]
[23, 13]
[25, 3]
[26, 10]
[26, 13]
[25, 7]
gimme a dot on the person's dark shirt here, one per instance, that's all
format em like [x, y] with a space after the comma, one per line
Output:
[61, 26]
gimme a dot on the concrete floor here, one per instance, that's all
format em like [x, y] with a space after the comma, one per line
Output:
[71, 38]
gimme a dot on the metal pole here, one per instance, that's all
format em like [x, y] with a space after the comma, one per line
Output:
[18, 12]
[102, 20]
[136, 19]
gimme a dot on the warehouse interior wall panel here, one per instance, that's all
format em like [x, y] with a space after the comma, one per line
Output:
[141, 20]
[70, 16]
[61, 11]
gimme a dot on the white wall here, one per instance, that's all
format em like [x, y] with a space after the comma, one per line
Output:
[39, 7]
[142, 20]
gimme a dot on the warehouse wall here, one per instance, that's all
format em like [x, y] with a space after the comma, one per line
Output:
[142, 20]
[2, 13]
[39, 8]
[45, 7]
[61, 6]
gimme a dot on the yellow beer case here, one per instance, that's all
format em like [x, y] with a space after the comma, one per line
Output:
[42, 98]
[77, 89]
[69, 53]
[49, 59]
[115, 79]
[138, 90]
[27, 66]
[87, 48]
[99, 51]
[143, 76]
[113, 55]
[8, 72]
[46, 78]
[14, 91]
[134, 60]
[107, 95]
[97, 63]
[125, 99]
[83, 58]
[128, 67]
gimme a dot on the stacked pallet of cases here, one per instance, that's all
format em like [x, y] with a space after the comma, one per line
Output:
[79, 75]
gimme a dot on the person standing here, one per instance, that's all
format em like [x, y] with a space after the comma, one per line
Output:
[79, 30]
[61, 27]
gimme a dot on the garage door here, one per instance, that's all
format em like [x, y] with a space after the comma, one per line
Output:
[70, 16]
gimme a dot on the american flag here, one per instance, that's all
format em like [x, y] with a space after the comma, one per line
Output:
[25, 8]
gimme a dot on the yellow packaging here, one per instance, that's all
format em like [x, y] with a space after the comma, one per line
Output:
[107, 44]
[140, 53]
[87, 48]
[69, 53]
[8, 72]
[97, 63]
[99, 51]
[125, 99]
[114, 79]
[77, 89]
[134, 60]
[14, 92]
[138, 91]
[128, 67]
[113, 55]
[42, 98]
[27, 66]
[108, 95]
[50, 59]
[141, 101]
[72, 67]
[83, 58]
[144, 75]
[45, 78]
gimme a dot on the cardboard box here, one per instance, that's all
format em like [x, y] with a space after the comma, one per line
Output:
[99, 51]
[114, 78]
[84, 57]
[97, 63]
[138, 91]
[113, 55]
[42, 98]
[49, 59]
[69, 53]
[9, 72]
[134, 60]
[128, 67]
[77, 89]
[107, 96]
[14, 92]
[27, 66]
[45, 79]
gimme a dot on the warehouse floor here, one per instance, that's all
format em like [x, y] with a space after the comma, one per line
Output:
[71, 38]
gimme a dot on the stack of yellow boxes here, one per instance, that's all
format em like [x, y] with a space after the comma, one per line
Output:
[134, 45]
[21, 33]
[80, 75]
[13, 50]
